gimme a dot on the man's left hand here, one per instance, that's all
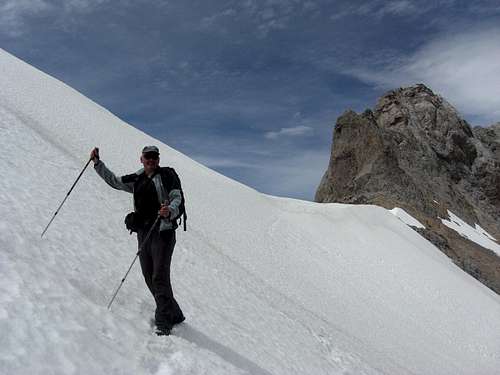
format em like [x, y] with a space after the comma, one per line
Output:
[164, 211]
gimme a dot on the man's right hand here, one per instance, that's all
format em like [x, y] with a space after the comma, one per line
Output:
[94, 155]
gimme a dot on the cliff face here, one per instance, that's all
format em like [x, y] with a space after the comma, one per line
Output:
[414, 151]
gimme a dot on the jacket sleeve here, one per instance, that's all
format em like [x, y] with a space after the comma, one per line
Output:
[125, 183]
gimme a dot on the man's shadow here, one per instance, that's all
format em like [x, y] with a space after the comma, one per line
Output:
[203, 341]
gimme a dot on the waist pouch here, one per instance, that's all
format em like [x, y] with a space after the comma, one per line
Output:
[133, 222]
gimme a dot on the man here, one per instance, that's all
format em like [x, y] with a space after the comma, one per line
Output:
[150, 186]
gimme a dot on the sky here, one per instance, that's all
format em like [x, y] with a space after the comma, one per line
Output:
[252, 88]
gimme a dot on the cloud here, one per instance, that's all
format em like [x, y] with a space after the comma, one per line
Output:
[381, 8]
[267, 16]
[209, 21]
[293, 175]
[215, 162]
[484, 8]
[15, 14]
[463, 67]
[400, 7]
[290, 132]
[12, 13]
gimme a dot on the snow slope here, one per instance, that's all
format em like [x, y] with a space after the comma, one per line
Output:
[406, 218]
[269, 285]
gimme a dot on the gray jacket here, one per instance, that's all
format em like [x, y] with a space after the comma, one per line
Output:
[173, 197]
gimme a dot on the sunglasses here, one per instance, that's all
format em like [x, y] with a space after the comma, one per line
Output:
[151, 156]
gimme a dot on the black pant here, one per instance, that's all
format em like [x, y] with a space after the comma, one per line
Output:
[155, 259]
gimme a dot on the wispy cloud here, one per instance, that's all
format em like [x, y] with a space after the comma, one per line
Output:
[295, 176]
[463, 67]
[400, 7]
[223, 162]
[14, 14]
[210, 21]
[381, 8]
[289, 132]
[272, 15]
[484, 8]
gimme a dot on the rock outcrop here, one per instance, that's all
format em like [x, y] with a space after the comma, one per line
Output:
[414, 151]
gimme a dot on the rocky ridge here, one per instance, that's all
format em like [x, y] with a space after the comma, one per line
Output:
[414, 151]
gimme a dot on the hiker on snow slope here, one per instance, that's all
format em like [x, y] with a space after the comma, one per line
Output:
[156, 191]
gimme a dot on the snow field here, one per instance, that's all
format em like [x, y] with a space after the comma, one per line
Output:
[268, 285]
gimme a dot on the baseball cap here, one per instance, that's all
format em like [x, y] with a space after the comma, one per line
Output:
[150, 149]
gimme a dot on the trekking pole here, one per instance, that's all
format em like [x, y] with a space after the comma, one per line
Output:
[67, 195]
[136, 255]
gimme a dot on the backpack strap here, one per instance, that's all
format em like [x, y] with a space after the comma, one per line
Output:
[183, 218]
[175, 180]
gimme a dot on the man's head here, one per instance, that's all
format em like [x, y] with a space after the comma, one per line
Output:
[150, 158]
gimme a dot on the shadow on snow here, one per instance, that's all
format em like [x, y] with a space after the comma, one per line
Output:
[203, 341]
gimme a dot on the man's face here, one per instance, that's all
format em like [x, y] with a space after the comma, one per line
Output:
[150, 160]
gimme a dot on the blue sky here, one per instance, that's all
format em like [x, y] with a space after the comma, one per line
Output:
[252, 88]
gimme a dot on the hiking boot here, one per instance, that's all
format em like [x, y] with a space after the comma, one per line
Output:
[163, 329]
[179, 319]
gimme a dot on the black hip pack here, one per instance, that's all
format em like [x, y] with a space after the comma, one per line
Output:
[132, 222]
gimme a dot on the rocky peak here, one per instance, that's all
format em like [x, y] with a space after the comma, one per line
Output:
[413, 150]
[429, 118]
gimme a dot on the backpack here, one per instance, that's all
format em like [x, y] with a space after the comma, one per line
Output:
[170, 177]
